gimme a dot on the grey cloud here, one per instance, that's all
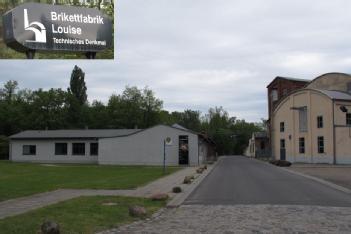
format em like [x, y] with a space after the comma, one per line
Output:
[202, 53]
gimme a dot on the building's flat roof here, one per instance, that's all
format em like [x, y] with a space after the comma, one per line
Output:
[67, 134]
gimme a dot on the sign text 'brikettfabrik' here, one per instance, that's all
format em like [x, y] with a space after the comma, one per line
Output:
[35, 26]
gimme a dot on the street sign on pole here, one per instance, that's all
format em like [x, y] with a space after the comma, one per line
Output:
[166, 142]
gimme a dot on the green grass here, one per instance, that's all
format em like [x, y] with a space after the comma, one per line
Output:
[22, 179]
[79, 215]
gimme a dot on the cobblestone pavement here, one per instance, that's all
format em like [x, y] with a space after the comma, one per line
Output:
[244, 219]
[24, 204]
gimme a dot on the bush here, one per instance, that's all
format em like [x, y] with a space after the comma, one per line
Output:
[188, 179]
[280, 163]
[177, 189]
[4, 147]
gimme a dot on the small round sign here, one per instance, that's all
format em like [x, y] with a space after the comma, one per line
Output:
[168, 141]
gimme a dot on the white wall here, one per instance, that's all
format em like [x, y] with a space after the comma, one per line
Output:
[146, 147]
[45, 152]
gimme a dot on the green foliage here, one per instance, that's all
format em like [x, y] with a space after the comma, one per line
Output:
[23, 179]
[77, 85]
[23, 109]
[80, 215]
[4, 147]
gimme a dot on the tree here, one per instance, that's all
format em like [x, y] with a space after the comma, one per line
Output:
[8, 92]
[77, 85]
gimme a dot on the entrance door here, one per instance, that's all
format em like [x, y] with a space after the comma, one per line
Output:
[282, 149]
[183, 150]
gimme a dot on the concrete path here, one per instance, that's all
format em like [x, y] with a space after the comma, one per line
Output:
[240, 180]
[24, 204]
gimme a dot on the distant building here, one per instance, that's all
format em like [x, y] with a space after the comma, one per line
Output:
[313, 124]
[258, 146]
[113, 146]
[279, 88]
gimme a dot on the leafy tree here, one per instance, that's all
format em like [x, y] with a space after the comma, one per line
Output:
[77, 85]
[8, 92]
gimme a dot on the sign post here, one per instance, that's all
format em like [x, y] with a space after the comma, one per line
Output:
[166, 142]
[32, 27]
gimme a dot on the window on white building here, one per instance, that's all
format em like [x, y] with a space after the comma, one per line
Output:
[320, 141]
[78, 148]
[274, 95]
[282, 127]
[303, 119]
[60, 148]
[301, 145]
[320, 121]
[29, 150]
[348, 118]
[94, 148]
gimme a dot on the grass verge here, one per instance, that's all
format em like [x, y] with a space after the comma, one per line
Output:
[23, 179]
[80, 215]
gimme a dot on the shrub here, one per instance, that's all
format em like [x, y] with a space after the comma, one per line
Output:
[4, 147]
[177, 189]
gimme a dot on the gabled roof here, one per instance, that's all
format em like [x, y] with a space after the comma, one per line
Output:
[179, 127]
[288, 78]
[68, 134]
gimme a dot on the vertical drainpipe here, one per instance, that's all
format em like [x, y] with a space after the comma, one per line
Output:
[334, 140]
[198, 150]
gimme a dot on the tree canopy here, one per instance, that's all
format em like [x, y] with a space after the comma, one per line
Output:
[22, 109]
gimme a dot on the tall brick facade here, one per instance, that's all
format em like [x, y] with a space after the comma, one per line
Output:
[279, 88]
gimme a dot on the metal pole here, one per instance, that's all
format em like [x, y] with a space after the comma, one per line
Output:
[30, 54]
[164, 156]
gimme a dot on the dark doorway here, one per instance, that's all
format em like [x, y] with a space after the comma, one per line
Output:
[282, 149]
[183, 150]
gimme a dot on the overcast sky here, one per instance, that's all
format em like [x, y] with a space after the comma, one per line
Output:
[203, 53]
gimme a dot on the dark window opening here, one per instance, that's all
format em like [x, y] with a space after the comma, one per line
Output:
[301, 145]
[282, 127]
[78, 149]
[320, 144]
[94, 148]
[60, 148]
[29, 150]
[262, 145]
[348, 118]
[183, 150]
[282, 143]
[319, 121]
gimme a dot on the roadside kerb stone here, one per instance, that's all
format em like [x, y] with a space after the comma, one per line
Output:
[187, 189]
[319, 180]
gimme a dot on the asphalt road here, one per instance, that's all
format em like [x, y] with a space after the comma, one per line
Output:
[240, 180]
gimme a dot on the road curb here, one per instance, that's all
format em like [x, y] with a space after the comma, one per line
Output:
[319, 180]
[179, 198]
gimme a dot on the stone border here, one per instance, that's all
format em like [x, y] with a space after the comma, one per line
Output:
[179, 198]
[319, 180]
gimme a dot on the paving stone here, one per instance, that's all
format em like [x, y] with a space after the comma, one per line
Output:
[244, 219]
